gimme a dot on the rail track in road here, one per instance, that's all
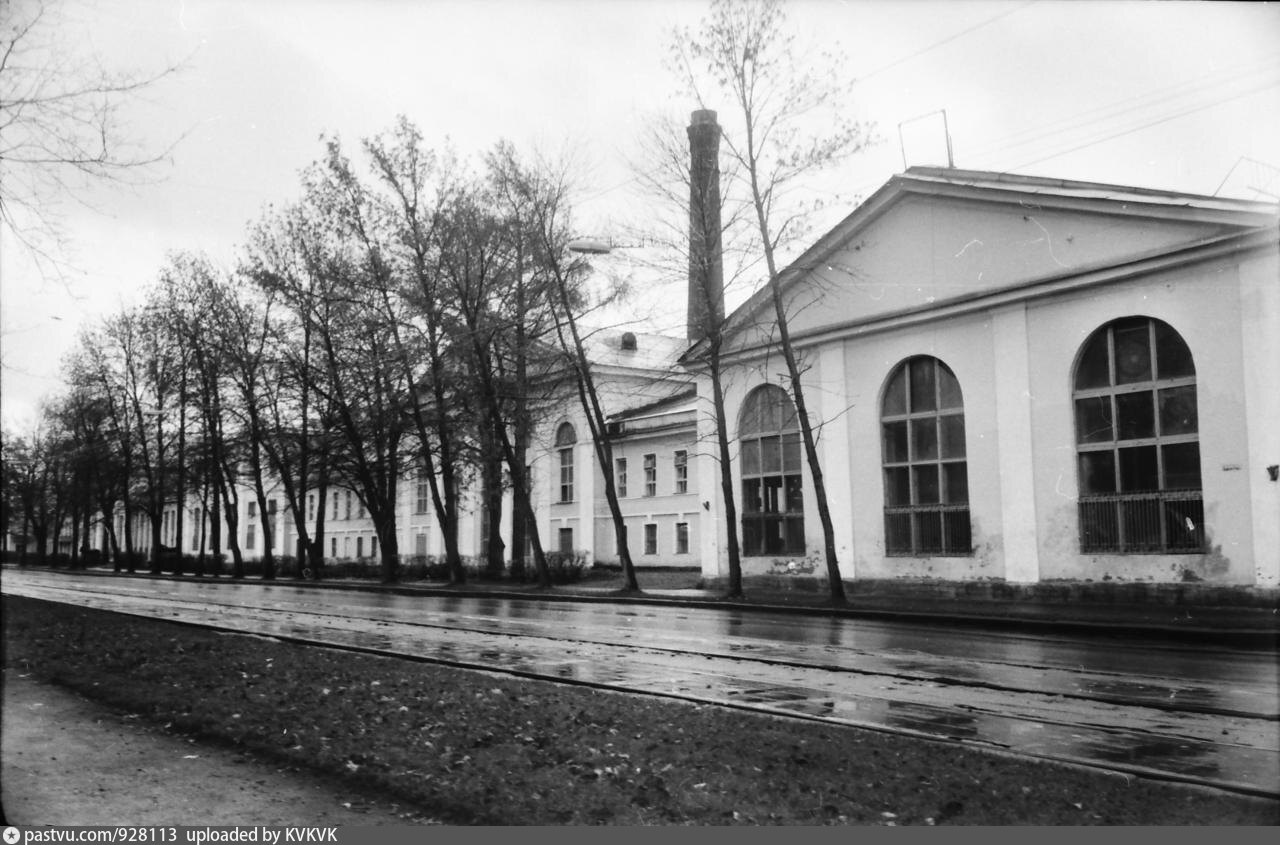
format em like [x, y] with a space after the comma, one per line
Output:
[1205, 716]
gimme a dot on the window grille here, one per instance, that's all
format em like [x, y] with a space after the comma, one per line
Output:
[1137, 441]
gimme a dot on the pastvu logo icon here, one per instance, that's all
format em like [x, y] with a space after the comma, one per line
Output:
[11, 836]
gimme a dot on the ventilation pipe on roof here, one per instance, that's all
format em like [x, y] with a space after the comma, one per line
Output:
[706, 268]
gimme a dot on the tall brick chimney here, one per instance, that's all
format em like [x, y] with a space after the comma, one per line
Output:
[706, 267]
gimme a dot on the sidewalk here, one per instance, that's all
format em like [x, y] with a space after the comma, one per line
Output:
[69, 761]
[1239, 616]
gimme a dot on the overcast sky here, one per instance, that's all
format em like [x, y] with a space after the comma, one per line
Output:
[1155, 94]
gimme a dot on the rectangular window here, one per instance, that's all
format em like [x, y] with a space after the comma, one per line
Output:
[682, 538]
[346, 547]
[250, 536]
[620, 477]
[651, 475]
[566, 541]
[682, 471]
[311, 507]
[420, 500]
[335, 506]
[359, 547]
[253, 509]
[333, 547]
[373, 547]
[348, 512]
[420, 544]
[651, 539]
[566, 475]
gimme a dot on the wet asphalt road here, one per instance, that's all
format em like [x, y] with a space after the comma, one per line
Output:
[1207, 715]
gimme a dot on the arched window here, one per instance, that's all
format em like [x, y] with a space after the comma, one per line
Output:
[566, 437]
[1137, 440]
[772, 484]
[926, 476]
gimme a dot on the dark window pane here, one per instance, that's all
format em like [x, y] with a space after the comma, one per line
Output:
[751, 457]
[897, 533]
[1181, 466]
[1099, 527]
[895, 396]
[771, 454]
[1138, 469]
[1178, 410]
[1133, 351]
[1094, 369]
[774, 541]
[795, 494]
[955, 532]
[1141, 525]
[956, 478]
[752, 539]
[897, 487]
[1136, 415]
[750, 421]
[770, 411]
[1093, 419]
[924, 439]
[926, 478]
[952, 428]
[1173, 358]
[771, 491]
[794, 527]
[565, 435]
[928, 532]
[751, 500]
[895, 442]
[790, 422]
[790, 452]
[923, 390]
[1097, 473]
[948, 389]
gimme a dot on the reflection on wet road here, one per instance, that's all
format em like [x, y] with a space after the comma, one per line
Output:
[1201, 714]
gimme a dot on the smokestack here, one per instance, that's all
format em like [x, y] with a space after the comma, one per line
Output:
[706, 268]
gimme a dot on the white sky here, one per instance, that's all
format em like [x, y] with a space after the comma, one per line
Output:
[1163, 95]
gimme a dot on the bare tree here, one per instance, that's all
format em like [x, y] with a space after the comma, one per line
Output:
[62, 122]
[743, 53]
[546, 189]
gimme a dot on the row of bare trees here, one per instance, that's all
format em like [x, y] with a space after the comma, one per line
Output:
[408, 316]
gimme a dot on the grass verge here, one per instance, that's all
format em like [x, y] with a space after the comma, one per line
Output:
[479, 748]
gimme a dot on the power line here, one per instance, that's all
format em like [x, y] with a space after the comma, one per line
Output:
[944, 41]
[1156, 122]
[1125, 107]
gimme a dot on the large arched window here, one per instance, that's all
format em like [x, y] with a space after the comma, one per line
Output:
[772, 484]
[566, 438]
[926, 475]
[1137, 440]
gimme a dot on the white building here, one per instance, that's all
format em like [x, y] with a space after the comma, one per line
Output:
[1020, 379]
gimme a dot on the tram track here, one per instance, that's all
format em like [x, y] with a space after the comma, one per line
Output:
[1231, 750]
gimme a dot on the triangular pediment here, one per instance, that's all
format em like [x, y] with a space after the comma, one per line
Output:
[932, 237]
